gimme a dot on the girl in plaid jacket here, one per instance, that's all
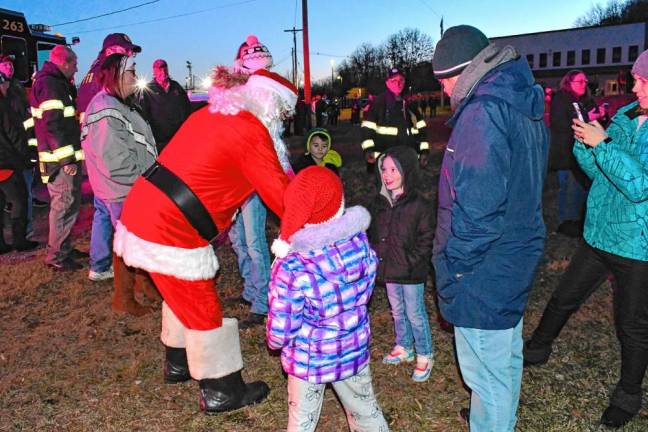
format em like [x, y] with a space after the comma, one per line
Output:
[320, 285]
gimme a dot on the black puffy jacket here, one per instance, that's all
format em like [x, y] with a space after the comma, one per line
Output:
[402, 231]
[13, 140]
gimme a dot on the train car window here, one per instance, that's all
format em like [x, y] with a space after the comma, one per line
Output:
[17, 47]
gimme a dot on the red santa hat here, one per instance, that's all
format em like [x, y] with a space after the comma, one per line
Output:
[315, 196]
[271, 81]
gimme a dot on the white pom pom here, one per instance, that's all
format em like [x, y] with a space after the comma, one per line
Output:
[280, 248]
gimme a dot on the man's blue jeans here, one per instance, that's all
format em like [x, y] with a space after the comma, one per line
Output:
[571, 197]
[411, 323]
[491, 365]
[248, 239]
[101, 239]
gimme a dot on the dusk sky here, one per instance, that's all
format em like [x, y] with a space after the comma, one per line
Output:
[208, 32]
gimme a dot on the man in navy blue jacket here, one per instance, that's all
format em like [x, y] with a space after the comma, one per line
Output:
[490, 232]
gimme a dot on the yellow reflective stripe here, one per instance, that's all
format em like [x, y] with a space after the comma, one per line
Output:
[376, 154]
[64, 152]
[51, 104]
[46, 156]
[369, 124]
[367, 144]
[387, 130]
[424, 145]
[79, 155]
[420, 124]
[32, 142]
[44, 179]
[414, 131]
[29, 123]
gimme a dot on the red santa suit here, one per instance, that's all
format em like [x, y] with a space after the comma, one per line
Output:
[223, 152]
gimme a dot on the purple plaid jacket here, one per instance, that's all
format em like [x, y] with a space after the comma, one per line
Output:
[318, 299]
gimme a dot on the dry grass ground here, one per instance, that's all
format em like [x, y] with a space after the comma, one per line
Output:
[68, 363]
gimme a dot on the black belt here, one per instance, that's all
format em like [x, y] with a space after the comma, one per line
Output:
[184, 198]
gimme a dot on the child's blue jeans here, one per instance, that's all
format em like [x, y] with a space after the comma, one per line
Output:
[411, 323]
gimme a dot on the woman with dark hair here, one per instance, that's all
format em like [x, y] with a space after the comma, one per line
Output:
[119, 146]
[573, 183]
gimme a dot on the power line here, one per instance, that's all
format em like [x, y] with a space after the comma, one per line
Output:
[105, 14]
[430, 7]
[329, 55]
[168, 17]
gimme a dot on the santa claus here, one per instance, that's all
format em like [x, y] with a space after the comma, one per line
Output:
[222, 154]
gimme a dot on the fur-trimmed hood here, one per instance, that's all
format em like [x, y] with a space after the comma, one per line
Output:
[356, 219]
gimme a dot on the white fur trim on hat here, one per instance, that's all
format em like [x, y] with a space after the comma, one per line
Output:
[280, 248]
[188, 264]
[261, 81]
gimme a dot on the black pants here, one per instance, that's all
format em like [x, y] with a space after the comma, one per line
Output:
[587, 270]
[13, 190]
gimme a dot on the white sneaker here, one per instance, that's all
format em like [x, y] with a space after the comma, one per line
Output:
[101, 276]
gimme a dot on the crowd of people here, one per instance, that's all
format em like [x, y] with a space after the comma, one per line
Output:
[169, 186]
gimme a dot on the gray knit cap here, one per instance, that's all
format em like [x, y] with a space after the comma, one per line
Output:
[640, 66]
[456, 49]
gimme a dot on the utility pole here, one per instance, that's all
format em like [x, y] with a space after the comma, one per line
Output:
[294, 57]
[189, 84]
[307, 82]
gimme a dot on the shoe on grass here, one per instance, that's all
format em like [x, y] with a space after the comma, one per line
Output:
[101, 276]
[423, 368]
[399, 355]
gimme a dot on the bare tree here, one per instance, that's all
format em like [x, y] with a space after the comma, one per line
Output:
[615, 12]
[407, 48]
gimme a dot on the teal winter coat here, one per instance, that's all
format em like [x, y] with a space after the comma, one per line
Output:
[617, 206]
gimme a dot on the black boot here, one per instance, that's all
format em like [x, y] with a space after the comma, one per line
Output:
[176, 368]
[19, 230]
[535, 354]
[623, 407]
[230, 393]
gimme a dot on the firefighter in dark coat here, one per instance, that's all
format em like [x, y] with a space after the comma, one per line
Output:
[165, 104]
[392, 121]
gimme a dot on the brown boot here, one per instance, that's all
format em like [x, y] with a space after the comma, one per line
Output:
[124, 296]
[145, 285]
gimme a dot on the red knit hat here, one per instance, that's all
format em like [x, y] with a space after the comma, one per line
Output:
[313, 197]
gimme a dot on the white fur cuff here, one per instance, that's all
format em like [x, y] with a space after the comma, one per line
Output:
[173, 331]
[214, 353]
[280, 248]
[187, 264]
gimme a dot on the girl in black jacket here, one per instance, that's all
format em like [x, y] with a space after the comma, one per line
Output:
[402, 232]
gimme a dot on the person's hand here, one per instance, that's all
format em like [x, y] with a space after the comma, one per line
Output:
[590, 134]
[369, 156]
[70, 169]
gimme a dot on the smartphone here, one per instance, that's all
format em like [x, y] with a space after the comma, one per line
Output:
[579, 114]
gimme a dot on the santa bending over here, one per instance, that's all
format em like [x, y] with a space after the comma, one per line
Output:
[222, 154]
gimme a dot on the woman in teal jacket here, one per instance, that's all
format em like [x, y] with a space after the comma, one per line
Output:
[616, 241]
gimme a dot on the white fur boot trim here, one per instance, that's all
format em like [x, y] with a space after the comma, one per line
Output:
[173, 331]
[214, 353]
